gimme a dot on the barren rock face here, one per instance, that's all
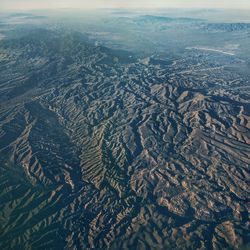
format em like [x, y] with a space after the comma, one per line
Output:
[100, 149]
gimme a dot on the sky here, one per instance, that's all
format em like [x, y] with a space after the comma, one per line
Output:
[138, 4]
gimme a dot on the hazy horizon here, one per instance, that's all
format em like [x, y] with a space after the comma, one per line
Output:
[139, 4]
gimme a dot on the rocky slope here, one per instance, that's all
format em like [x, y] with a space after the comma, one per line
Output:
[99, 149]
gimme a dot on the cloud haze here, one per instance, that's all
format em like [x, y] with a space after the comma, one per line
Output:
[48, 4]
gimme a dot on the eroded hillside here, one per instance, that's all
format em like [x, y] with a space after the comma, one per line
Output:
[100, 148]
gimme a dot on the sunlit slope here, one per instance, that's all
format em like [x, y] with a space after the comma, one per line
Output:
[101, 149]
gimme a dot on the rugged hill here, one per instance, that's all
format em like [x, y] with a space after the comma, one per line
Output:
[101, 149]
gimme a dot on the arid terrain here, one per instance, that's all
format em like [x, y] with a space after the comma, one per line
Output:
[107, 146]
